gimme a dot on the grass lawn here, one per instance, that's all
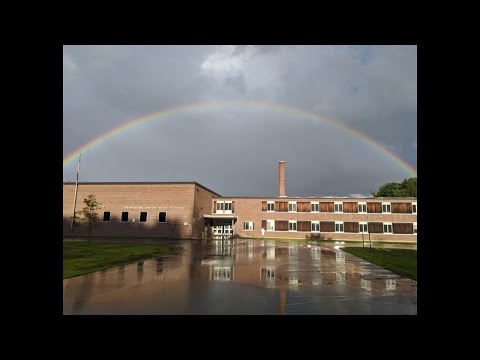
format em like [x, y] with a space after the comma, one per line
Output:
[79, 258]
[400, 261]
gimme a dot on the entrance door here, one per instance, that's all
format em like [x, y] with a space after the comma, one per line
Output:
[222, 230]
[218, 230]
[227, 230]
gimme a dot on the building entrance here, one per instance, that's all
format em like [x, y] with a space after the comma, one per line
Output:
[223, 230]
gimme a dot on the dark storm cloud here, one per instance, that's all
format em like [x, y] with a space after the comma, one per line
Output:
[235, 151]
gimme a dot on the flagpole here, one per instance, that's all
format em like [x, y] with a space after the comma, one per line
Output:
[76, 189]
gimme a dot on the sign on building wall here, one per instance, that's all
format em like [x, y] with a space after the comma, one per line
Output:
[155, 207]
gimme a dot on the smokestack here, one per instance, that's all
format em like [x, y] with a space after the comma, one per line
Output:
[281, 178]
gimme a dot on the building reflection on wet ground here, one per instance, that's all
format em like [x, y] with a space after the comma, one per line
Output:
[244, 277]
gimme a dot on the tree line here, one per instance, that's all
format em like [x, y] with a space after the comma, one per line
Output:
[407, 188]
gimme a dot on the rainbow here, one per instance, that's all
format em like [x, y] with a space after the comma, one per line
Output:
[198, 106]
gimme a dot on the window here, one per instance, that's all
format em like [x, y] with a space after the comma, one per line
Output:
[143, 216]
[292, 225]
[106, 216]
[314, 207]
[270, 225]
[292, 206]
[339, 207]
[415, 228]
[270, 206]
[124, 216]
[414, 208]
[162, 217]
[316, 226]
[248, 225]
[363, 227]
[362, 207]
[224, 207]
[386, 208]
[387, 228]
[339, 226]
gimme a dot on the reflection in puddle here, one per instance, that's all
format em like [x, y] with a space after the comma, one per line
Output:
[391, 284]
[242, 276]
[222, 273]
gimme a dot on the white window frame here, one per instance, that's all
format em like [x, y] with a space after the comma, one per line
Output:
[314, 203]
[222, 205]
[271, 203]
[338, 204]
[230, 211]
[339, 223]
[248, 227]
[414, 228]
[158, 217]
[292, 203]
[292, 222]
[109, 218]
[311, 226]
[416, 208]
[272, 224]
[361, 204]
[389, 204]
[140, 216]
[362, 223]
[387, 224]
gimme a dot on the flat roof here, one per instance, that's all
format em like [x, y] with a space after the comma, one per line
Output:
[143, 183]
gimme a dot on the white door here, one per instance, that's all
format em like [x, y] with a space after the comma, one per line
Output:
[227, 230]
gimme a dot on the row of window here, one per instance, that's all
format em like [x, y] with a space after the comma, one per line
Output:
[315, 226]
[162, 216]
[338, 207]
[224, 206]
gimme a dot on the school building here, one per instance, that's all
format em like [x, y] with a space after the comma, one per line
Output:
[191, 210]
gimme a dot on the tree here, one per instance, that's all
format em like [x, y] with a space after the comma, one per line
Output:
[391, 189]
[407, 188]
[88, 215]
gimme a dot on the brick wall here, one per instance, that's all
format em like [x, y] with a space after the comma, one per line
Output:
[176, 200]
[202, 205]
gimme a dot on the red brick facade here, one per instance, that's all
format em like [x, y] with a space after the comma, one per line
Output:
[250, 209]
[186, 204]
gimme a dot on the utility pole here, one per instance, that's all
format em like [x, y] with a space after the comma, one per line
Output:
[76, 189]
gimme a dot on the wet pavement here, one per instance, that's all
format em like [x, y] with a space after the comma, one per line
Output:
[244, 277]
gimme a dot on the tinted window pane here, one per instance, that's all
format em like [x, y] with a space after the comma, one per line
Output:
[143, 216]
[106, 216]
[125, 216]
[162, 217]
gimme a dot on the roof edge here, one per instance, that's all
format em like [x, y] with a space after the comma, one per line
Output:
[145, 183]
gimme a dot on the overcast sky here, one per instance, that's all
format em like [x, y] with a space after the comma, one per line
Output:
[235, 150]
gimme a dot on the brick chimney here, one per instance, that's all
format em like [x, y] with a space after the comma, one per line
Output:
[281, 178]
